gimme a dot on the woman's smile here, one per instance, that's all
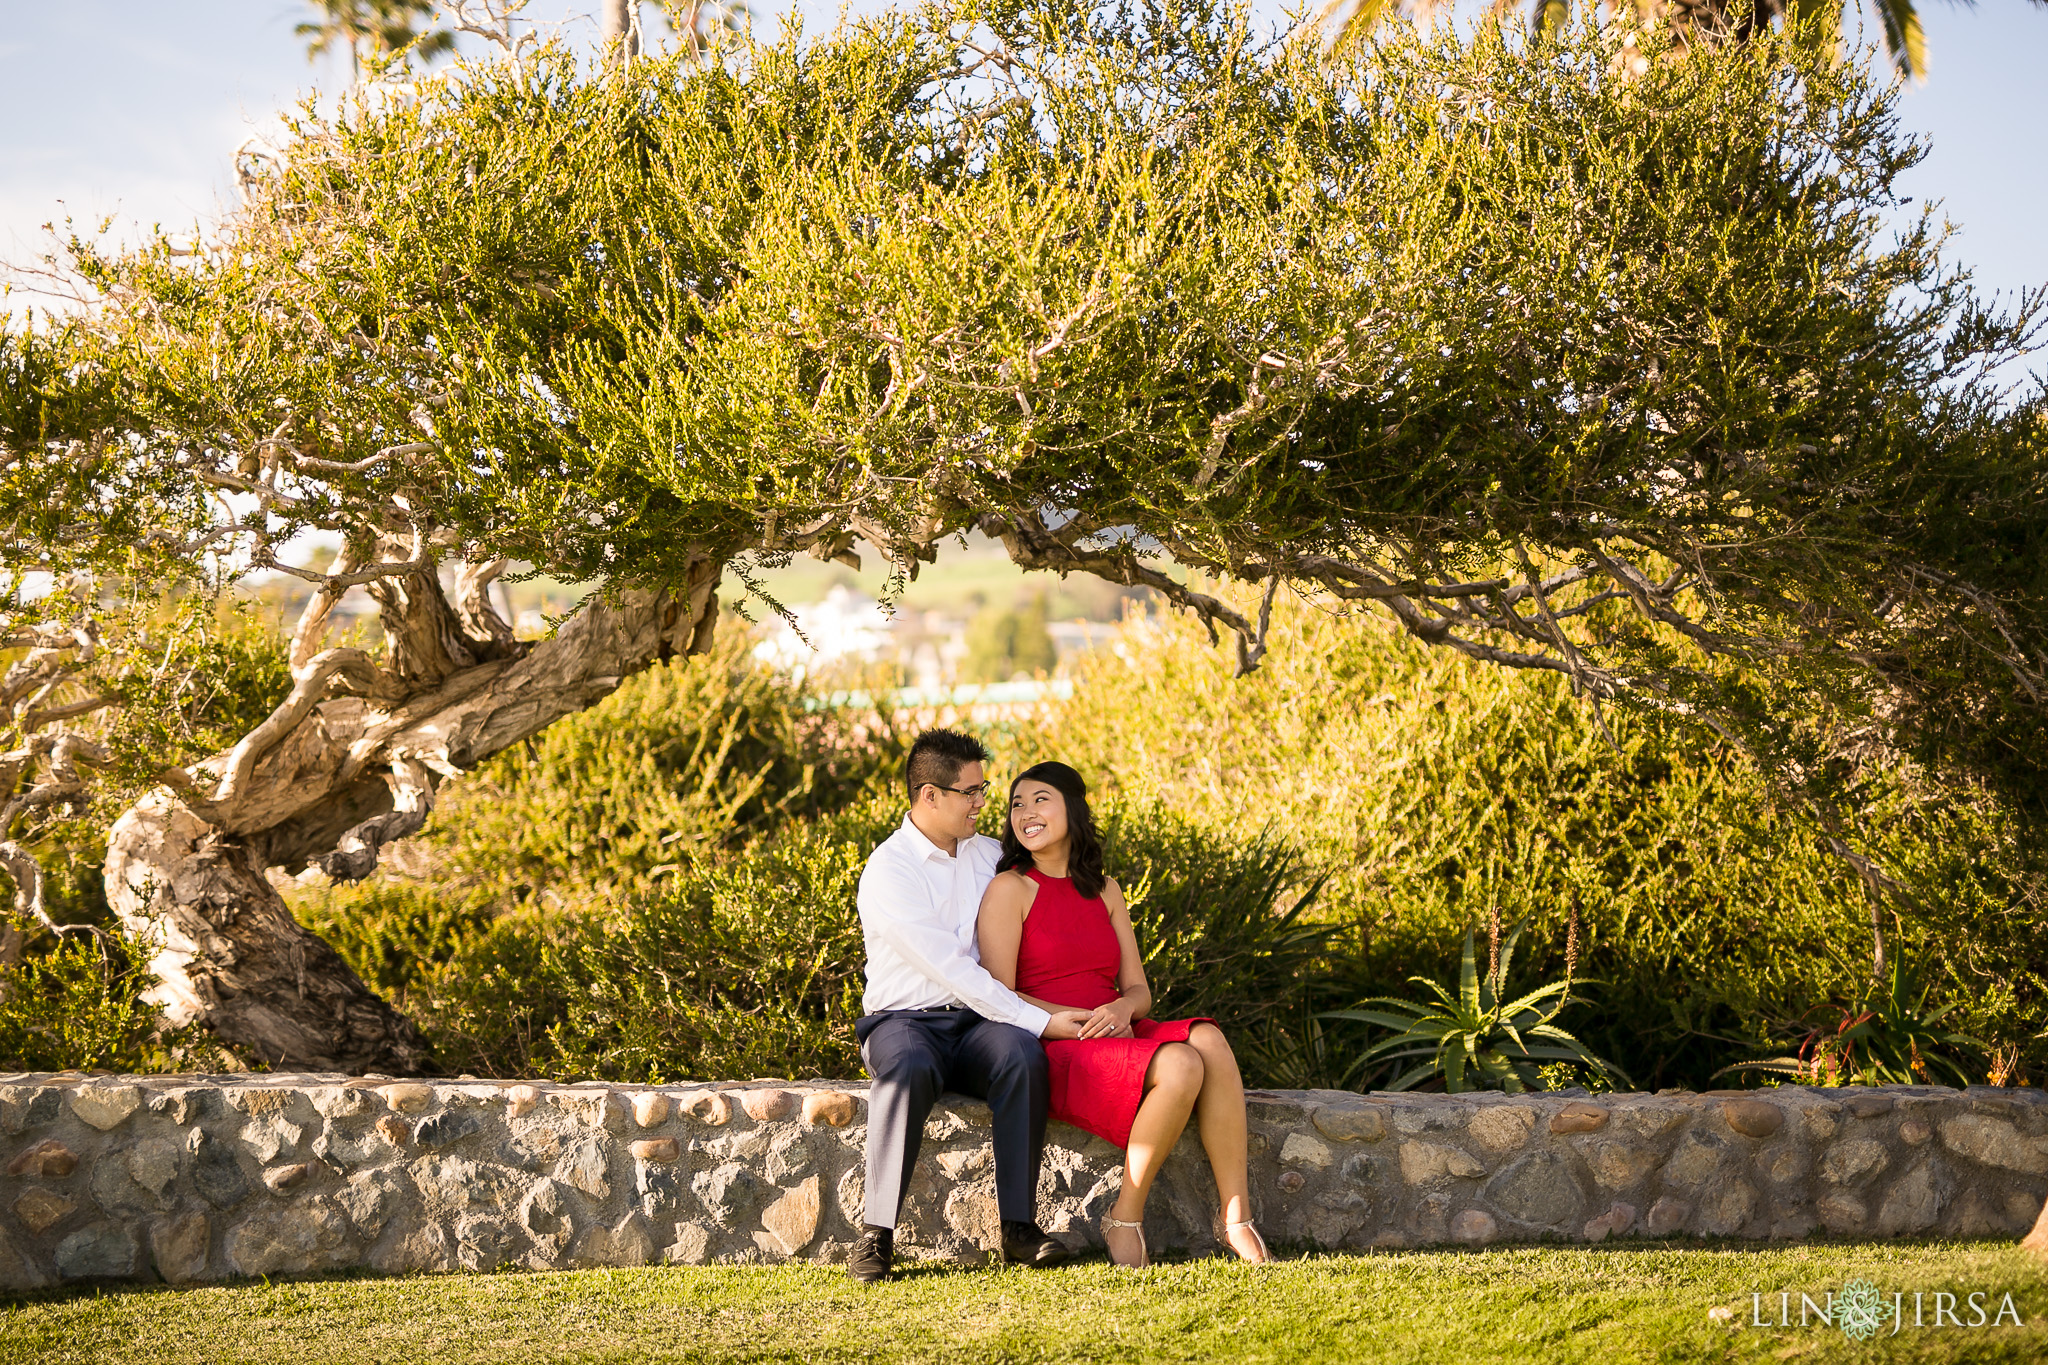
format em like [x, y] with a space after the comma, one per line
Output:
[1038, 815]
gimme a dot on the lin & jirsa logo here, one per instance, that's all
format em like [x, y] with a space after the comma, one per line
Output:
[1861, 1310]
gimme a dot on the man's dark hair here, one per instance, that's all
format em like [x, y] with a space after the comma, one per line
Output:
[936, 758]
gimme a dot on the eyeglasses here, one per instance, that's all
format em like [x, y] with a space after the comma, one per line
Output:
[978, 789]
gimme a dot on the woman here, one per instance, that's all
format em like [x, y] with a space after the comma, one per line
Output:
[1054, 929]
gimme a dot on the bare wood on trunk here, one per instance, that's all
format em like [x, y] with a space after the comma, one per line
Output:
[40, 776]
[348, 763]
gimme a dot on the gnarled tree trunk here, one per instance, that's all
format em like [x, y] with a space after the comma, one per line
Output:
[348, 763]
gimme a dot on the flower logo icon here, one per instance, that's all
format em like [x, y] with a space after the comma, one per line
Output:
[1860, 1310]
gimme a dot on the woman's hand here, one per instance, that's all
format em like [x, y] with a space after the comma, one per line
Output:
[1110, 1021]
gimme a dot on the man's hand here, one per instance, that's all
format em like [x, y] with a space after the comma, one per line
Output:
[1065, 1024]
[1110, 1021]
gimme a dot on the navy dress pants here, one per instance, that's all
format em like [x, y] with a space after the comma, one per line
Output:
[913, 1055]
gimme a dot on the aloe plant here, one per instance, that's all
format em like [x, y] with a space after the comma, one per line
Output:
[1474, 1038]
[1889, 1038]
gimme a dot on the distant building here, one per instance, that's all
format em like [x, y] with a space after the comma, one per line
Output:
[846, 625]
[1075, 637]
[930, 647]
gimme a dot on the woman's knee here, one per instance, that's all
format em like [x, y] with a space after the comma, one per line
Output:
[1178, 1067]
[1208, 1039]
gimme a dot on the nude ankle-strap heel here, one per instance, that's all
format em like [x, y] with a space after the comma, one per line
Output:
[1265, 1252]
[1109, 1222]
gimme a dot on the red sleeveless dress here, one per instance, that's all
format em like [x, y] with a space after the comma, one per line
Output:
[1069, 956]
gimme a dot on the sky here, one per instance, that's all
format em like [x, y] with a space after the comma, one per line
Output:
[133, 108]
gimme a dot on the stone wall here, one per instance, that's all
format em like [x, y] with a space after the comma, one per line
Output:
[185, 1178]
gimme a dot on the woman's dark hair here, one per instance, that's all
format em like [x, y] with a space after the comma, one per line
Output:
[1084, 843]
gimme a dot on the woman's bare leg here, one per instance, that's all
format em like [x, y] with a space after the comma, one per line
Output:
[1219, 1118]
[1172, 1082]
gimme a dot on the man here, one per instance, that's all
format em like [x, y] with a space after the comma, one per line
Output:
[935, 1020]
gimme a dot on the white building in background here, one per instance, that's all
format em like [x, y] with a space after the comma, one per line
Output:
[846, 625]
[929, 646]
[1076, 637]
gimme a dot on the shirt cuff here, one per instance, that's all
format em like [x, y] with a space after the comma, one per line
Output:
[1032, 1019]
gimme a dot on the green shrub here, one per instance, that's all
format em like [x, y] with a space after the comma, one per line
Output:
[1473, 1036]
[751, 967]
[684, 759]
[1222, 923]
[78, 1006]
[750, 963]
[202, 672]
[1890, 1037]
[1436, 792]
[663, 886]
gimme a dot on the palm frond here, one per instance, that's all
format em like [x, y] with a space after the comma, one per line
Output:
[1529, 1002]
[1904, 39]
[1454, 1069]
[1777, 1066]
[1475, 1039]
[1347, 22]
[1548, 17]
[1445, 997]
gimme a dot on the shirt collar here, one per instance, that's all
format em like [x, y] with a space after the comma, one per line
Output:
[923, 848]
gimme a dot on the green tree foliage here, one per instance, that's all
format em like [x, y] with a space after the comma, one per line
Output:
[1635, 356]
[1004, 642]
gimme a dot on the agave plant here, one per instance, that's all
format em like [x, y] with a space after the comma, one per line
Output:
[1474, 1038]
[1888, 1039]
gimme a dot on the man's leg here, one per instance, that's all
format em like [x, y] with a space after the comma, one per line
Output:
[906, 1058]
[1006, 1066]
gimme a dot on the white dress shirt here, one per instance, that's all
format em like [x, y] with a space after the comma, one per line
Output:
[917, 910]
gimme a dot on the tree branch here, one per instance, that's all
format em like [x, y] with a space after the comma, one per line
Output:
[412, 799]
[310, 686]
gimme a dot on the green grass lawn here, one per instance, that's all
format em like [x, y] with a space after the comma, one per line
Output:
[1609, 1305]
